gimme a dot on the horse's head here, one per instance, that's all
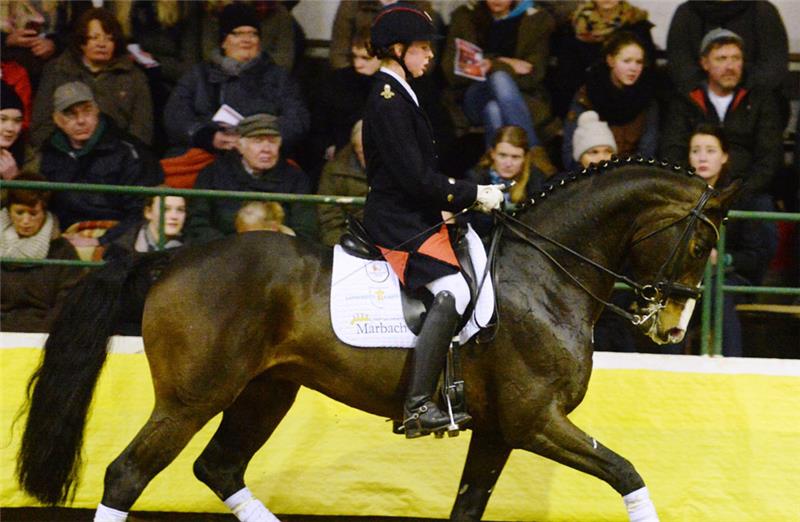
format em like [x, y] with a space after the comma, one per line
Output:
[669, 252]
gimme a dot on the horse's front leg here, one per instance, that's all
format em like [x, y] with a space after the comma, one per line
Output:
[560, 440]
[486, 458]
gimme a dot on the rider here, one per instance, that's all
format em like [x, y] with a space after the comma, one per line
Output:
[403, 211]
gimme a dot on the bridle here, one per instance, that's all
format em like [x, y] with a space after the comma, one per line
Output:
[656, 293]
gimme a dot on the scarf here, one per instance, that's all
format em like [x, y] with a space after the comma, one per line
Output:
[590, 27]
[145, 242]
[614, 105]
[36, 246]
[230, 66]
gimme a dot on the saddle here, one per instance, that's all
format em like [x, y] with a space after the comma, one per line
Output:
[356, 242]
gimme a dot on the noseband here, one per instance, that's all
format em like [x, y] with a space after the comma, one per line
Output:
[656, 293]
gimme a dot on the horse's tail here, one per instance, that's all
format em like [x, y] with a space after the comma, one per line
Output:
[60, 390]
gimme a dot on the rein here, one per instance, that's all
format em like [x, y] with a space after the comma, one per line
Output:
[656, 293]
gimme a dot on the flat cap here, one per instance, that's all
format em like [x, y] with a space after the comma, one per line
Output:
[69, 94]
[259, 125]
[716, 35]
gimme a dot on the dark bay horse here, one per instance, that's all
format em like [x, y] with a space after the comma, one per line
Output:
[238, 326]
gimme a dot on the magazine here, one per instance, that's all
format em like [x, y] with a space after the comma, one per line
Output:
[468, 60]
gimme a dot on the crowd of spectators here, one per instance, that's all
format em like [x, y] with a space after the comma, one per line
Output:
[218, 95]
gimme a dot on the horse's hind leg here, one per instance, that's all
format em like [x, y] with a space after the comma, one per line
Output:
[485, 460]
[562, 441]
[245, 426]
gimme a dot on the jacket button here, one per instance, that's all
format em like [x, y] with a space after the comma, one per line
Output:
[450, 198]
[451, 181]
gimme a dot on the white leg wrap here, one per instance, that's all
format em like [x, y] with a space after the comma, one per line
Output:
[640, 507]
[248, 508]
[107, 514]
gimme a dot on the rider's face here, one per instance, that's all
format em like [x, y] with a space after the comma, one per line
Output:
[418, 56]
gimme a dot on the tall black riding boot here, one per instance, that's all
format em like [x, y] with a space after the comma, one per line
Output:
[421, 416]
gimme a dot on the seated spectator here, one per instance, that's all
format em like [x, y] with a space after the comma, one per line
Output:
[515, 38]
[592, 141]
[244, 78]
[262, 215]
[87, 147]
[274, 22]
[507, 163]
[31, 33]
[97, 58]
[147, 236]
[580, 45]
[750, 117]
[11, 145]
[344, 175]
[30, 293]
[620, 89]
[257, 166]
[16, 77]
[765, 46]
[750, 244]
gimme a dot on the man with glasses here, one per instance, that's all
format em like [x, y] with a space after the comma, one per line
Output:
[239, 76]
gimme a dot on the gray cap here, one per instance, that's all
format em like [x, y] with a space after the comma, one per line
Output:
[258, 125]
[71, 93]
[717, 34]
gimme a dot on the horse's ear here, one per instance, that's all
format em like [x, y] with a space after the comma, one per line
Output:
[723, 201]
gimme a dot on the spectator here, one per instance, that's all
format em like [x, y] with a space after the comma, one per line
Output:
[764, 42]
[620, 89]
[344, 175]
[262, 215]
[30, 293]
[87, 147]
[750, 116]
[506, 163]
[275, 24]
[592, 141]
[257, 166]
[146, 237]
[11, 146]
[244, 78]
[750, 244]
[516, 45]
[17, 78]
[97, 58]
[580, 45]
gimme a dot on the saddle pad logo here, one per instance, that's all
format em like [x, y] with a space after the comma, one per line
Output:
[377, 271]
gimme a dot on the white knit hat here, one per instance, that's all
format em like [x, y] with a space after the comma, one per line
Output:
[591, 132]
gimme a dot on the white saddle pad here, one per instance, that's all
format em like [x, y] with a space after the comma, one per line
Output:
[366, 308]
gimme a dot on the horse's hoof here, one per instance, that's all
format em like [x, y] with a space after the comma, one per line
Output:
[453, 433]
[438, 434]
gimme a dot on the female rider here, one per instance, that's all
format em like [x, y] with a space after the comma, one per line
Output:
[403, 212]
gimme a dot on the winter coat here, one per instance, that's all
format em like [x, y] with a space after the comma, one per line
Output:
[120, 89]
[407, 193]
[111, 157]
[532, 45]
[342, 176]
[259, 86]
[751, 243]
[758, 23]
[752, 127]
[31, 295]
[211, 219]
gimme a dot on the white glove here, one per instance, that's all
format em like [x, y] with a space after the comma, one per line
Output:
[490, 197]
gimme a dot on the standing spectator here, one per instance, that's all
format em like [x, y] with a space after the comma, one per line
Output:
[620, 89]
[97, 58]
[516, 45]
[273, 20]
[750, 244]
[257, 166]
[11, 146]
[749, 115]
[580, 45]
[30, 293]
[244, 78]
[87, 147]
[764, 43]
[146, 237]
[344, 175]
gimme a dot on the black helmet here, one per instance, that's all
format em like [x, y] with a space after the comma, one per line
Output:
[401, 23]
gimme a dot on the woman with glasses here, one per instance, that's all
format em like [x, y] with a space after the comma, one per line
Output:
[97, 58]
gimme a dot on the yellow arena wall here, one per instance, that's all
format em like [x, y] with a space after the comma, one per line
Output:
[715, 440]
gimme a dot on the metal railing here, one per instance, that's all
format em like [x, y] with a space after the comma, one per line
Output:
[710, 345]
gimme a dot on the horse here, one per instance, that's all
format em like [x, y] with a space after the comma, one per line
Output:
[238, 326]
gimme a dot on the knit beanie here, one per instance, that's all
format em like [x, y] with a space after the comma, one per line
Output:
[236, 15]
[591, 132]
[9, 99]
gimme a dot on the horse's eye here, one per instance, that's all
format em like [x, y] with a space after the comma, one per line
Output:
[698, 250]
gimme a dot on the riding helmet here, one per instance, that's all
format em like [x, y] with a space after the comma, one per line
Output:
[401, 23]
